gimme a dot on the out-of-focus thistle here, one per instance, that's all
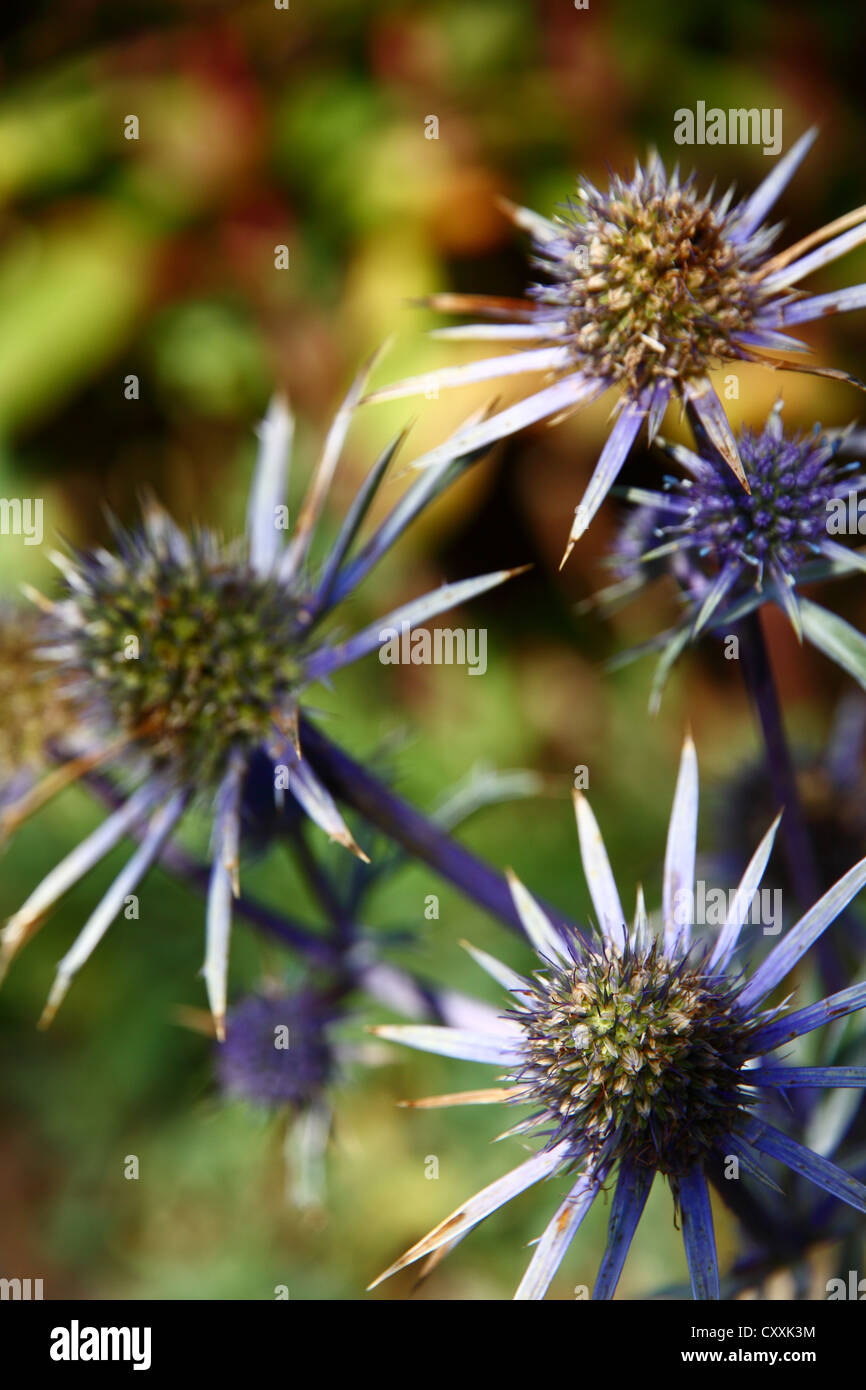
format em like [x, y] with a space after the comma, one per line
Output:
[185, 656]
[279, 1055]
[646, 1053]
[283, 1055]
[783, 1230]
[832, 787]
[285, 1050]
[731, 551]
[277, 1049]
[647, 288]
[35, 713]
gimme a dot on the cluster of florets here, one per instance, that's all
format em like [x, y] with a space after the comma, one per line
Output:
[706, 529]
[650, 282]
[276, 1050]
[782, 519]
[178, 643]
[638, 1049]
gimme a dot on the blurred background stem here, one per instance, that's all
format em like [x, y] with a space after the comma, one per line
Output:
[795, 835]
[420, 836]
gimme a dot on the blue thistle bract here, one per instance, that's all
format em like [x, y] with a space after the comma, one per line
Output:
[644, 1053]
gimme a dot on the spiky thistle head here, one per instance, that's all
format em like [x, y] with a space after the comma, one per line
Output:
[644, 1050]
[184, 660]
[647, 286]
[281, 1056]
[769, 533]
[729, 552]
[183, 647]
[196, 651]
[633, 1050]
[653, 284]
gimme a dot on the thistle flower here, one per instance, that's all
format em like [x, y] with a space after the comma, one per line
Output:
[730, 551]
[282, 1050]
[35, 713]
[643, 1053]
[648, 287]
[279, 1055]
[277, 1050]
[185, 657]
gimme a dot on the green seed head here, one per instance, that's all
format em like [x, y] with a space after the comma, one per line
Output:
[641, 1049]
[652, 287]
[188, 651]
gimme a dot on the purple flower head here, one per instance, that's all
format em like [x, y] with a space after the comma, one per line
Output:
[647, 286]
[645, 1053]
[276, 1050]
[768, 533]
[730, 551]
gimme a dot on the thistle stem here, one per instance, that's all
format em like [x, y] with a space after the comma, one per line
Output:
[420, 837]
[795, 836]
[342, 921]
